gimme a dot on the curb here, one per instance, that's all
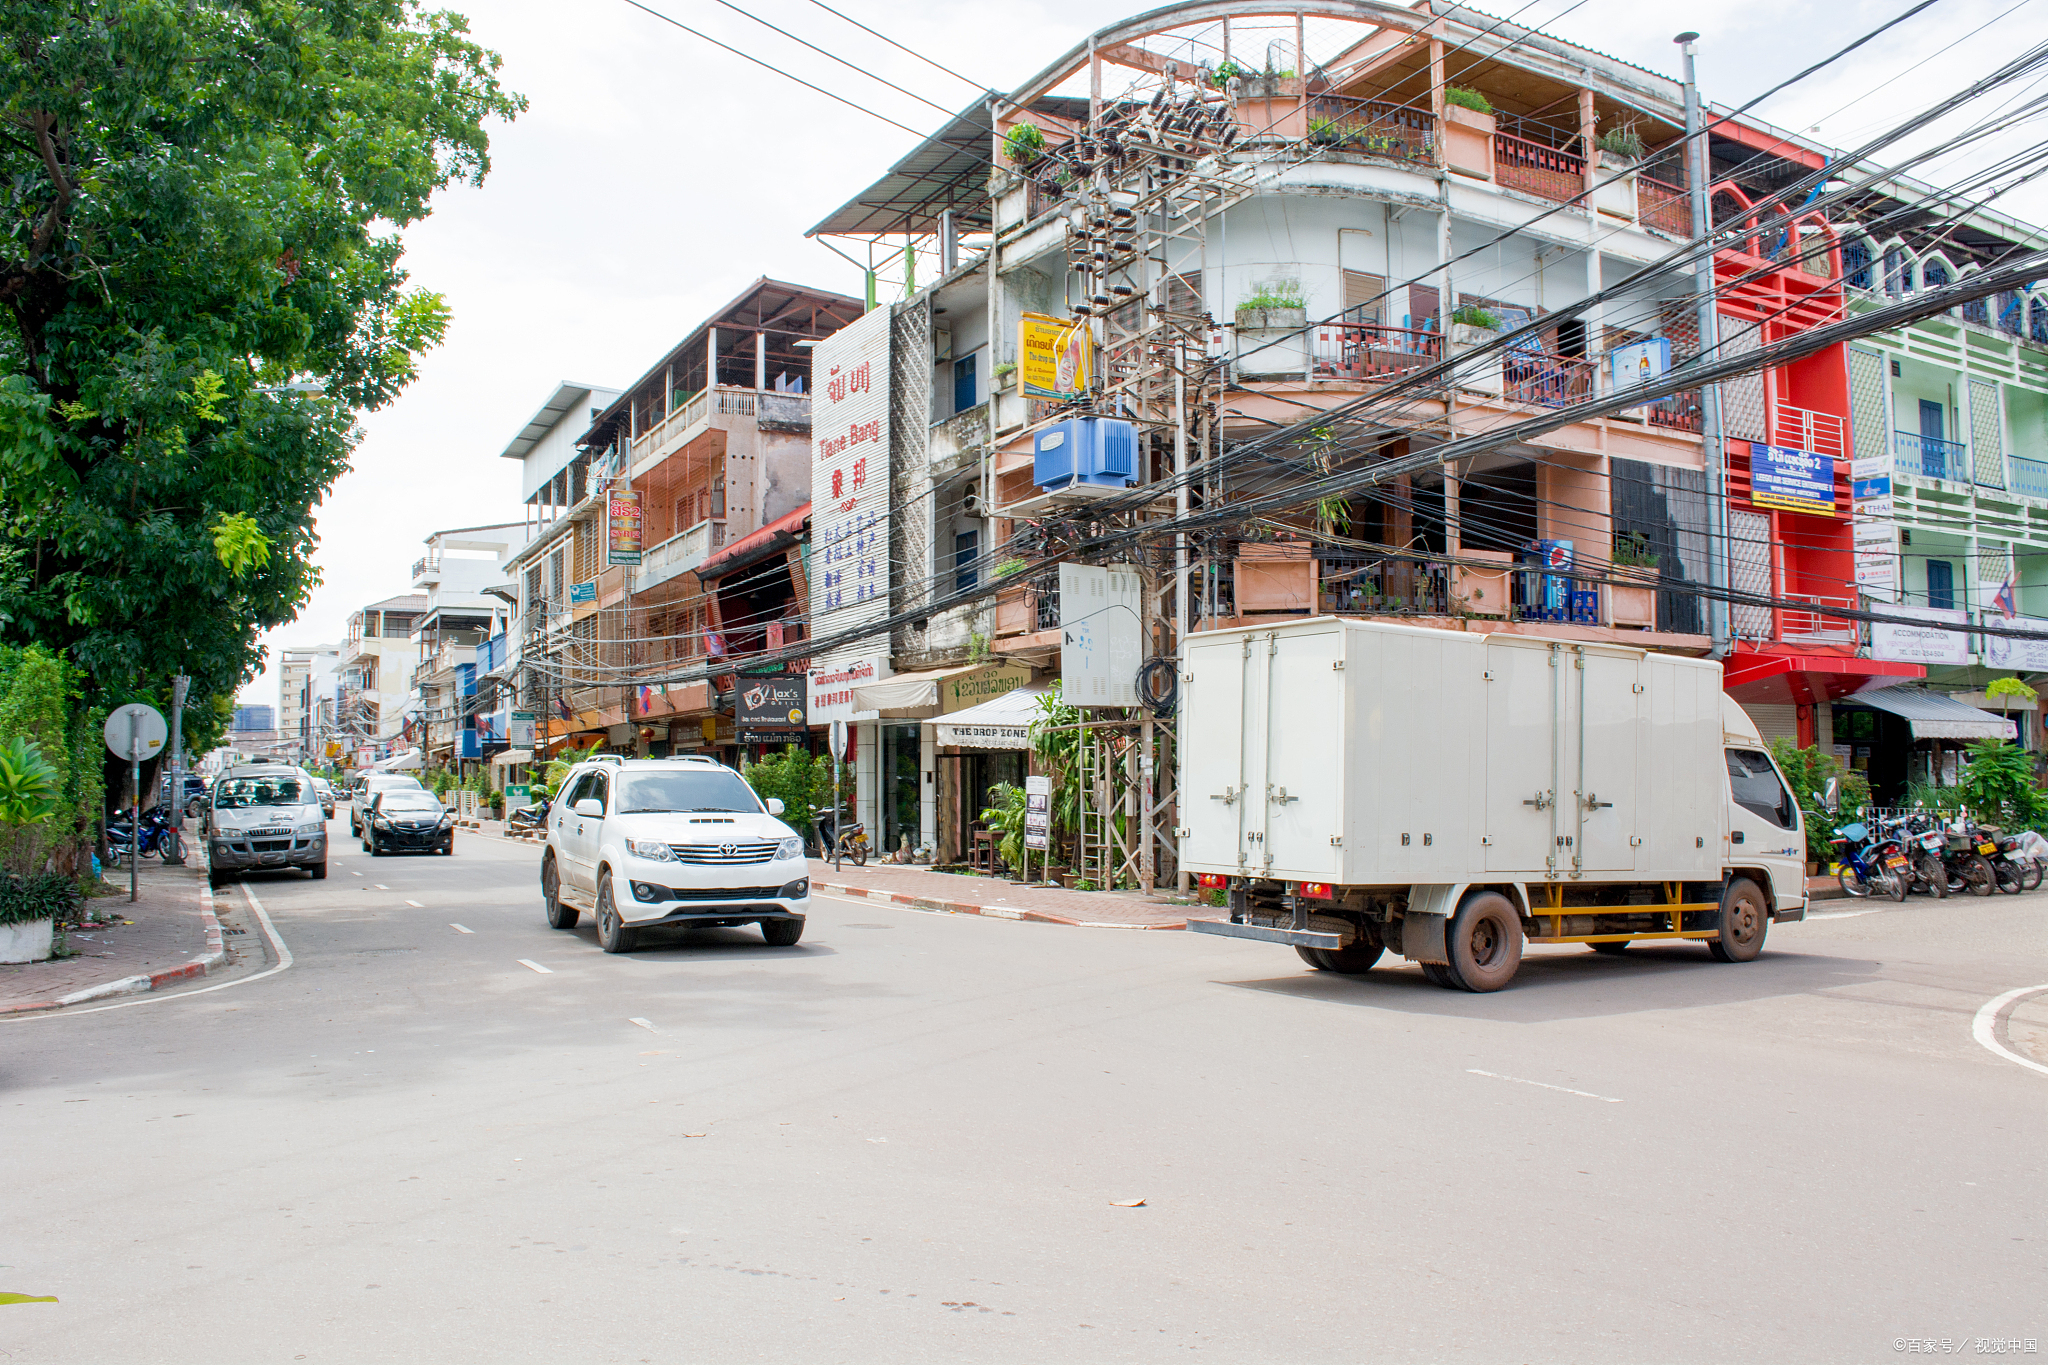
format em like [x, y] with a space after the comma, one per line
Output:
[216, 953]
[990, 911]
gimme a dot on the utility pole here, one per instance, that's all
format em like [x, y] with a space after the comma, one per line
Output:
[179, 687]
[1698, 167]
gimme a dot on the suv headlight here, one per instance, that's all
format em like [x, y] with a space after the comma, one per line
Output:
[792, 847]
[315, 828]
[652, 850]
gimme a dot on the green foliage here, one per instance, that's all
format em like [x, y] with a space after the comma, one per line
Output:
[1807, 771]
[1056, 745]
[560, 764]
[2014, 688]
[1010, 567]
[31, 787]
[203, 288]
[1634, 551]
[1472, 316]
[1278, 294]
[1467, 99]
[1997, 784]
[1024, 144]
[1624, 141]
[51, 895]
[802, 780]
[1220, 77]
[1005, 816]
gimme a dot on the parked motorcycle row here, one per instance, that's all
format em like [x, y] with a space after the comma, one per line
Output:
[158, 839]
[1897, 855]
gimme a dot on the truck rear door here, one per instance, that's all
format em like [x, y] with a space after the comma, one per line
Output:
[1524, 694]
[1304, 725]
[1604, 727]
[1217, 747]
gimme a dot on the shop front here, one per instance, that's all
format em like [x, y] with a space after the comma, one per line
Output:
[896, 762]
[1898, 737]
[980, 748]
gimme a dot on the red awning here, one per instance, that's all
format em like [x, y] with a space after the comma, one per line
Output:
[1804, 679]
[779, 534]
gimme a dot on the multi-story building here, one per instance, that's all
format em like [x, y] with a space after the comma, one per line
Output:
[376, 690]
[307, 685]
[461, 614]
[707, 448]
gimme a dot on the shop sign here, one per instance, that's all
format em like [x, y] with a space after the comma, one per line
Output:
[1639, 362]
[2024, 655]
[622, 513]
[1102, 632]
[832, 687]
[1037, 812]
[972, 689]
[1054, 358]
[519, 734]
[583, 592]
[771, 710]
[850, 478]
[1791, 480]
[1932, 636]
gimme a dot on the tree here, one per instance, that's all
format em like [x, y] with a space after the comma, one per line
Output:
[1997, 785]
[1808, 771]
[200, 283]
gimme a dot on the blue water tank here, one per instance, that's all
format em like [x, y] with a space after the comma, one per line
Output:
[1097, 451]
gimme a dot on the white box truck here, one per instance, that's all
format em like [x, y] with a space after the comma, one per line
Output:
[1363, 788]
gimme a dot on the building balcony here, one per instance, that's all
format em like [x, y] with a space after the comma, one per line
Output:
[1804, 429]
[2029, 477]
[1928, 457]
[679, 554]
[1367, 350]
[426, 571]
[720, 407]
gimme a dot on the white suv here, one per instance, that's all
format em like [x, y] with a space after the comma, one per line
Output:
[670, 841]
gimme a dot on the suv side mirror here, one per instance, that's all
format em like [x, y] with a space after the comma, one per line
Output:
[775, 805]
[1831, 795]
[588, 806]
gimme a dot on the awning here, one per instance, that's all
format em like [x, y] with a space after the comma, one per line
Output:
[999, 723]
[511, 756]
[1936, 715]
[399, 763]
[1807, 679]
[781, 534]
[907, 696]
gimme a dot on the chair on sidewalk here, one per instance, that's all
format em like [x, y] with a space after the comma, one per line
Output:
[982, 855]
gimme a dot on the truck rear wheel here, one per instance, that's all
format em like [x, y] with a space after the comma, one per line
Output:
[1743, 921]
[1484, 940]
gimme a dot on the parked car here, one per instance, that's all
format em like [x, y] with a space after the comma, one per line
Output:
[367, 793]
[408, 820]
[671, 841]
[325, 791]
[263, 816]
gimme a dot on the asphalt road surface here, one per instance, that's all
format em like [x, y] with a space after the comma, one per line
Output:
[447, 1133]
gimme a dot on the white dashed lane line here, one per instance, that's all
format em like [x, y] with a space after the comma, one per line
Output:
[644, 1024]
[461, 929]
[1543, 1085]
[416, 905]
[529, 962]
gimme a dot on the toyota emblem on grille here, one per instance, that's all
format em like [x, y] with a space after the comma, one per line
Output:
[728, 849]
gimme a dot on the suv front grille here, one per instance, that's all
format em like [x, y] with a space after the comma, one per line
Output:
[724, 855]
[726, 893]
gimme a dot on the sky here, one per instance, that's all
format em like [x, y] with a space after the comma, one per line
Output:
[654, 176]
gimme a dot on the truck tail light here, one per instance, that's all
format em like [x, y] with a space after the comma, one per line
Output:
[1315, 891]
[1211, 881]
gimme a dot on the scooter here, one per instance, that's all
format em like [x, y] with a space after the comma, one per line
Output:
[158, 838]
[528, 818]
[843, 844]
[1868, 867]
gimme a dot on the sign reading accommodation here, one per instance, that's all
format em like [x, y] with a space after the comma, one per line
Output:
[1792, 480]
[622, 516]
[850, 478]
[1054, 356]
[1940, 640]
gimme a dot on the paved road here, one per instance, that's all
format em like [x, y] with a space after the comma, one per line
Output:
[905, 1140]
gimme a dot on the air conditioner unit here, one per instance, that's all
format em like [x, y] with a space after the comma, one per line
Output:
[974, 505]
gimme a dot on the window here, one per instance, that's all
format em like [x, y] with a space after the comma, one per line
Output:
[1941, 584]
[718, 497]
[963, 383]
[966, 549]
[1754, 784]
[1362, 301]
[685, 789]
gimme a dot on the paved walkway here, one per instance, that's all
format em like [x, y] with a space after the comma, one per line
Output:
[160, 936]
[967, 895]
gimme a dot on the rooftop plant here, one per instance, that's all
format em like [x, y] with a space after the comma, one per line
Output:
[1467, 99]
[1024, 144]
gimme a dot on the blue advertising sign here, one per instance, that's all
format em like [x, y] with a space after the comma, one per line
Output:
[583, 592]
[1862, 489]
[1792, 480]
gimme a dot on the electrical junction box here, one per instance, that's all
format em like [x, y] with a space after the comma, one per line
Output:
[1095, 452]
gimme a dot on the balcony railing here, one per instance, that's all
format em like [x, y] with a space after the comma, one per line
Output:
[1366, 350]
[2029, 477]
[1373, 127]
[1808, 626]
[1928, 457]
[1383, 585]
[1666, 208]
[1550, 381]
[426, 568]
[1679, 412]
[1803, 429]
[679, 554]
[729, 402]
[1533, 168]
[1539, 596]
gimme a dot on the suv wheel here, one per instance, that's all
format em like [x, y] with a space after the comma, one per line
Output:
[560, 916]
[782, 933]
[612, 934]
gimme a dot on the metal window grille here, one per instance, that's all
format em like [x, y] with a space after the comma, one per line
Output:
[1742, 398]
[1987, 434]
[1749, 570]
[1870, 432]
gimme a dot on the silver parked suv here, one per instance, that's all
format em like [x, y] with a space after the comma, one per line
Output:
[671, 841]
[264, 816]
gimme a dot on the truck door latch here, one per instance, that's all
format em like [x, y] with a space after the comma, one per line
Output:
[1227, 796]
[1593, 804]
[1541, 801]
[1280, 796]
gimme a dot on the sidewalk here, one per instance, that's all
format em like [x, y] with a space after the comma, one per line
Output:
[962, 895]
[168, 935]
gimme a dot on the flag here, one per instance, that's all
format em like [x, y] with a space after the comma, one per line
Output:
[2006, 600]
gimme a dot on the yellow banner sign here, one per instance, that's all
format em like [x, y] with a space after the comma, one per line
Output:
[1054, 356]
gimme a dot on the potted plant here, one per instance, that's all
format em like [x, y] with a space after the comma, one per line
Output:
[1473, 326]
[1620, 148]
[1467, 133]
[1278, 306]
[1633, 603]
[31, 900]
[1006, 375]
[1024, 144]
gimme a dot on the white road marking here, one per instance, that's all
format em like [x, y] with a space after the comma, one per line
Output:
[529, 962]
[1562, 1089]
[1984, 1028]
[644, 1024]
[380, 886]
[354, 873]
[1840, 914]
[460, 929]
[416, 905]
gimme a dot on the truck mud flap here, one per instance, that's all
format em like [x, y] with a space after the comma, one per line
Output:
[1300, 938]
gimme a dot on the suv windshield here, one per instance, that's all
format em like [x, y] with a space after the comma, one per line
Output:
[236, 793]
[708, 789]
[408, 800]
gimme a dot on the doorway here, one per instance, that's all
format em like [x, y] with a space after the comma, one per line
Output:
[899, 773]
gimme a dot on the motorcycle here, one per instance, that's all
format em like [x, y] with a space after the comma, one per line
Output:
[1964, 857]
[849, 843]
[1869, 866]
[158, 839]
[528, 818]
[1925, 843]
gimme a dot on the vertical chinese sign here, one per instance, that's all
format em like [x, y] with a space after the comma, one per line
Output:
[622, 511]
[850, 480]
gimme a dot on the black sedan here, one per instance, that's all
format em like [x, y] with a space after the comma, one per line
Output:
[408, 822]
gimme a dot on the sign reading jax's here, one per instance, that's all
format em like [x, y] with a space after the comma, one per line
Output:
[1791, 480]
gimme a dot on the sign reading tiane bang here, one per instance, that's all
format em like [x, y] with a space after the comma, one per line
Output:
[850, 477]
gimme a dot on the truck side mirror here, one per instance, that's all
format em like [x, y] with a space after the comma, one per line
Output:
[1831, 795]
